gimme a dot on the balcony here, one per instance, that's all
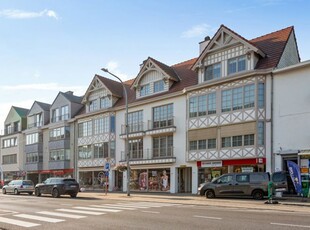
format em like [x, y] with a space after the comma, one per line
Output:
[35, 125]
[12, 129]
[60, 118]
[34, 166]
[161, 127]
[134, 130]
[150, 156]
[34, 148]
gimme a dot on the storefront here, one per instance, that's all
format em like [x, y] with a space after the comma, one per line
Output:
[150, 180]
[304, 171]
[44, 174]
[207, 170]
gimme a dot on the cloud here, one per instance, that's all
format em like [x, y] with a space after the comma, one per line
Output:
[113, 67]
[197, 31]
[20, 14]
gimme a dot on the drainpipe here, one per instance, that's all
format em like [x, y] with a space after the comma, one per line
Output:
[272, 157]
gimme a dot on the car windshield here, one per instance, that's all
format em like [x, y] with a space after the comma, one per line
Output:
[69, 181]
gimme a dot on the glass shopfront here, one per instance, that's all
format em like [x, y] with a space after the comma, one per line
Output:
[150, 180]
[92, 179]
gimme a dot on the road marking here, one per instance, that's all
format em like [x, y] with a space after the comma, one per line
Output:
[150, 212]
[112, 206]
[18, 222]
[209, 217]
[98, 209]
[80, 211]
[291, 225]
[61, 214]
[40, 218]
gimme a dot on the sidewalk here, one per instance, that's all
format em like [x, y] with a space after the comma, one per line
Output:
[285, 203]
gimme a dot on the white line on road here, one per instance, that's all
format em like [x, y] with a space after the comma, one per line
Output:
[40, 218]
[291, 225]
[80, 211]
[98, 209]
[150, 212]
[17, 222]
[209, 217]
[112, 206]
[61, 214]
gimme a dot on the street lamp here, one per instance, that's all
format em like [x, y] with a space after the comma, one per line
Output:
[126, 125]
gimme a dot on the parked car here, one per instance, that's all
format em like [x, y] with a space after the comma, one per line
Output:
[242, 184]
[19, 186]
[57, 186]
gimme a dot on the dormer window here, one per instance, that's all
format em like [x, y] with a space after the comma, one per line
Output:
[145, 90]
[104, 102]
[212, 72]
[159, 86]
[92, 105]
[237, 64]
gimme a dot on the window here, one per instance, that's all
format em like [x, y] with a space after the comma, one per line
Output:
[145, 90]
[135, 121]
[212, 72]
[201, 105]
[9, 159]
[249, 139]
[212, 143]
[8, 143]
[85, 129]
[226, 142]
[55, 115]
[33, 138]
[236, 65]
[112, 149]
[136, 148]
[226, 100]
[65, 112]
[93, 105]
[60, 155]
[224, 179]
[202, 144]
[85, 152]
[59, 133]
[163, 116]
[243, 178]
[236, 141]
[237, 98]
[33, 158]
[98, 150]
[261, 133]
[101, 125]
[249, 96]
[193, 145]
[163, 146]
[261, 95]
[112, 124]
[105, 102]
[159, 86]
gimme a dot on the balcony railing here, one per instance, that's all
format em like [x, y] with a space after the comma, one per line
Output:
[12, 129]
[60, 118]
[149, 154]
[161, 123]
[133, 128]
[36, 124]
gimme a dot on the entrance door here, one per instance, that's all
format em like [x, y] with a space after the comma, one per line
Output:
[184, 180]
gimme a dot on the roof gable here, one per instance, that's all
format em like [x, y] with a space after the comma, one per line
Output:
[225, 38]
[151, 64]
[16, 113]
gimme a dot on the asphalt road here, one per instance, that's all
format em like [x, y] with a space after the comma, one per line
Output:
[30, 212]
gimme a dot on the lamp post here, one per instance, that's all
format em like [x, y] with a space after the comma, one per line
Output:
[126, 125]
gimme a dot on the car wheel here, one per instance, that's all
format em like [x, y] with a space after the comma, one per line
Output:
[16, 191]
[210, 194]
[258, 195]
[73, 195]
[55, 193]
[3, 191]
[30, 193]
[37, 192]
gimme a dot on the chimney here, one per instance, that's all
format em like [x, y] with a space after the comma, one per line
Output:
[69, 92]
[203, 44]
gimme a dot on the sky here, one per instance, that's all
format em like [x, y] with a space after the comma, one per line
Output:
[47, 46]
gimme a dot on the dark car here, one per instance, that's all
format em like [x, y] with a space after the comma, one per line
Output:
[57, 186]
[19, 186]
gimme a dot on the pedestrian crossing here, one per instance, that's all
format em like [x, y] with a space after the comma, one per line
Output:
[76, 212]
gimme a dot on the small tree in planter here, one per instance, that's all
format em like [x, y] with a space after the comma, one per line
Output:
[120, 168]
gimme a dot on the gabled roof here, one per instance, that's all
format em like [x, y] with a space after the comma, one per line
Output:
[168, 70]
[115, 87]
[186, 75]
[44, 106]
[273, 45]
[71, 97]
[22, 112]
[269, 46]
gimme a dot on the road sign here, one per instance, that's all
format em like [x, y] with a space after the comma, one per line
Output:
[106, 173]
[107, 166]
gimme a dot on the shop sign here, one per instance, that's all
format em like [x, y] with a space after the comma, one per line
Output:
[211, 164]
[247, 169]
[304, 170]
[304, 163]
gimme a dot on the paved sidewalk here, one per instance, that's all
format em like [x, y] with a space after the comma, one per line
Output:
[285, 204]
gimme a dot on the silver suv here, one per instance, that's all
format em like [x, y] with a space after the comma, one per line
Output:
[238, 184]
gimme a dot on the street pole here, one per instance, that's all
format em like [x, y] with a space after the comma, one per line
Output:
[127, 130]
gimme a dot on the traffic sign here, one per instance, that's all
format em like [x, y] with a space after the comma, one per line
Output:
[106, 173]
[107, 166]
